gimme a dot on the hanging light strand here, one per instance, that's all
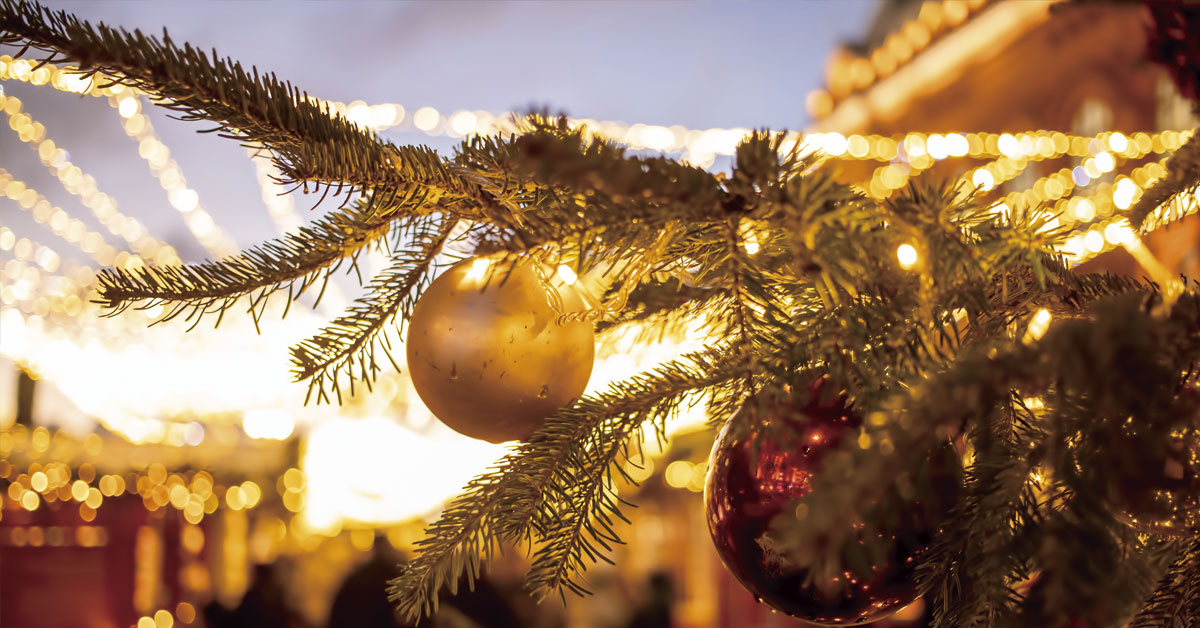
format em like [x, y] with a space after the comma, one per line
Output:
[59, 221]
[83, 186]
[157, 156]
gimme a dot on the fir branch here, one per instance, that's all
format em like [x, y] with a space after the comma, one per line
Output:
[348, 344]
[658, 305]
[979, 560]
[573, 509]
[519, 496]
[305, 257]
[1088, 545]
[584, 191]
[309, 142]
[1176, 601]
[1183, 175]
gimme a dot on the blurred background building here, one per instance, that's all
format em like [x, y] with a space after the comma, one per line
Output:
[156, 478]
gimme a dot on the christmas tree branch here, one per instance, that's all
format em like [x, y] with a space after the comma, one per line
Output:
[520, 497]
[304, 258]
[977, 563]
[348, 344]
[585, 192]
[576, 505]
[1154, 209]
[1087, 544]
[1176, 601]
[309, 143]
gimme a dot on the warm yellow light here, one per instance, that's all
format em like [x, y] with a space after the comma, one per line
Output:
[819, 103]
[183, 199]
[1009, 145]
[639, 469]
[907, 255]
[1118, 142]
[678, 473]
[983, 179]
[957, 145]
[293, 480]
[426, 119]
[567, 275]
[1118, 232]
[834, 144]
[79, 489]
[163, 619]
[1105, 162]
[129, 107]
[178, 496]
[914, 145]
[235, 498]
[937, 147]
[858, 146]
[1094, 241]
[462, 123]
[39, 482]
[145, 622]
[94, 498]
[479, 269]
[1084, 210]
[1038, 325]
[749, 240]
[268, 423]
[696, 481]
[350, 466]
[1124, 193]
[252, 493]
[30, 500]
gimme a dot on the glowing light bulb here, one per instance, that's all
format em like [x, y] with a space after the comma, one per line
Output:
[1118, 142]
[1009, 145]
[129, 107]
[1118, 232]
[835, 144]
[426, 119]
[1037, 326]
[907, 255]
[567, 275]
[937, 147]
[1084, 210]
[479, 268]
[1124, 192]
[983, 179]
[462, 123]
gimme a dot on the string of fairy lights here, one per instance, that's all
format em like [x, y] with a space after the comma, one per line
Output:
[1088, 197]
[158, 157]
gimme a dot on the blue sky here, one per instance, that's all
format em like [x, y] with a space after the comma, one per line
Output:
[699, 64]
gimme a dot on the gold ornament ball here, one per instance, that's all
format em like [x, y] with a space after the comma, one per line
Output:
[487, 354]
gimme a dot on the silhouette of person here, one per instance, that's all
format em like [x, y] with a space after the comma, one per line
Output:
[655, 612]
[263, 605]
[362, 600]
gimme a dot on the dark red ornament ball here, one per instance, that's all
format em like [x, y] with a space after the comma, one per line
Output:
[1174, 43]
[752, 477]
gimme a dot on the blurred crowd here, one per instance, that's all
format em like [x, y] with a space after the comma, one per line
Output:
[361, 602]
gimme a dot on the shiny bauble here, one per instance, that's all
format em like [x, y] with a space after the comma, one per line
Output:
[753, 474]
[487, 353]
